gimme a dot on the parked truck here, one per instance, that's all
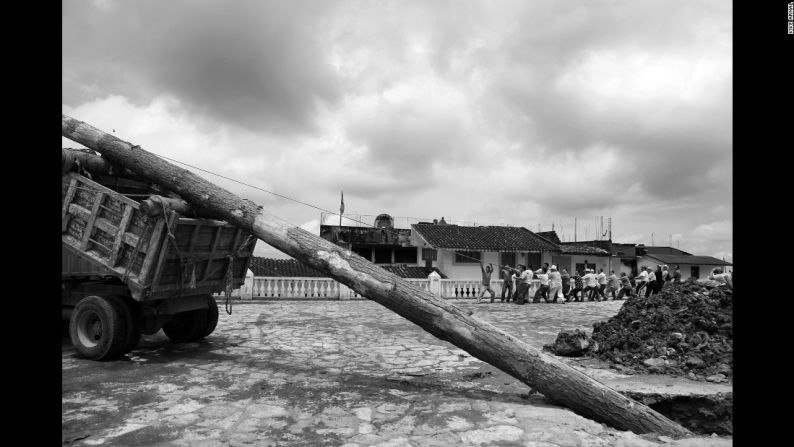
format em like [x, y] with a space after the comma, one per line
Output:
[126, 273]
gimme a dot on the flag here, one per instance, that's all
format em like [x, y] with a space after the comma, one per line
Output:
[342, 206]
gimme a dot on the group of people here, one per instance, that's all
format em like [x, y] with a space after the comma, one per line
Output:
[555, 284]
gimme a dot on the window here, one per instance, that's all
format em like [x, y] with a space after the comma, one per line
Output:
[405, 255]
[383, 255]
[695, 271]
[507, 259]
[364, 252]
[580, 267]
[468, 257]
[534, 261]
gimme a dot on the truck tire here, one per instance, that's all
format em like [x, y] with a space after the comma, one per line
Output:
[97, 328]
[186, 326]
[212, 317]
[132, 319]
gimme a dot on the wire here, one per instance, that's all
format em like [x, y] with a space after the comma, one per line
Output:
[284, 197]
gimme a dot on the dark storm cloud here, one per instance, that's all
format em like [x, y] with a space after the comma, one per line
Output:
[259, 65]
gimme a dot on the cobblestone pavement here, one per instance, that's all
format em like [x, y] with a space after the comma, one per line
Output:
[329, 373]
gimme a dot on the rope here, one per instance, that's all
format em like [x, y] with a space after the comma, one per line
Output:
[228, 279]
[183, 260]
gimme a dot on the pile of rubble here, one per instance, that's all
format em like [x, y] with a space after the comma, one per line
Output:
[687, 329]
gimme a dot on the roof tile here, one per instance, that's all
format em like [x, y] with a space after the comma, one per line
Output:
[489, 238]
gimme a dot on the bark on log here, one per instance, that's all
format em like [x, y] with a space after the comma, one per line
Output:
[556, 380]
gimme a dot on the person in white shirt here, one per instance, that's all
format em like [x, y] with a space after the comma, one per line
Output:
[602, 283]
[522, 290]
[590, 285]
[722, 278]
[543, 290]
[650, 286]
[641, 279]
[555, 284]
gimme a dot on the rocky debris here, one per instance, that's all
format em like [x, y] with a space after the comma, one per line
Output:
[571, 343]
[685, 330]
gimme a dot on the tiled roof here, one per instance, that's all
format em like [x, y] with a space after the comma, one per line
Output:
[688, 259]
[491, 238]
[412, 271]
[293, 268]
[661, 250]
[283, 267]
[580, 249]
[550, 235]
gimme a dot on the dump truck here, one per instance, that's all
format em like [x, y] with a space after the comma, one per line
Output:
[126, 273]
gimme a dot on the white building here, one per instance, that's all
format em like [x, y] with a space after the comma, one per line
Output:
[458, 250]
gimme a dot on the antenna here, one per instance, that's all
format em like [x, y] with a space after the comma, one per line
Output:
[574, 229]
[651, 239]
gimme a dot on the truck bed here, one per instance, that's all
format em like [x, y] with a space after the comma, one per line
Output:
[105, 234]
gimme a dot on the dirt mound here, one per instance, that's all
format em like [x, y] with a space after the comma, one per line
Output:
[687, 329]
[573, 343]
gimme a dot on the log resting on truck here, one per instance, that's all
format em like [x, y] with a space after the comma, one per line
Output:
[556, 380]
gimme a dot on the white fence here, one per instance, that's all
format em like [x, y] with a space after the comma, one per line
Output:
[328, 288]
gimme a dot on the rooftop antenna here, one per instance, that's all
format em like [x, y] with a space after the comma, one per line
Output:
[651, 239]
[574, 229]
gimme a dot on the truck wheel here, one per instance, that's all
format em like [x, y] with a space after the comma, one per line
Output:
[186, 326]
[212, 317]
[97, 328]
[132, 319]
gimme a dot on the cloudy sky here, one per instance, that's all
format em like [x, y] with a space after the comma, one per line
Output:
[526, 112]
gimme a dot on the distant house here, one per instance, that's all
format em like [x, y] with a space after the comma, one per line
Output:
[458, 250]
[636, 256]
[690, 265]
[576, 256]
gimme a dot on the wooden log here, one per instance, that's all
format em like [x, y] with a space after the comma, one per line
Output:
[153, 206]
[92, 163]
[556, 380]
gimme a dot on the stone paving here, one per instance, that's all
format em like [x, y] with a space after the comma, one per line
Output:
[350, 373]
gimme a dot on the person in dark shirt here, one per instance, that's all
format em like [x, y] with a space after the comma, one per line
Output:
[677, 275]
[566, 284]
[507, 286]
[578, 287]
[625, 286]
[659, 279]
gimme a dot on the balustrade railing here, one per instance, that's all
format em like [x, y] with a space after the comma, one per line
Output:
[328, 288]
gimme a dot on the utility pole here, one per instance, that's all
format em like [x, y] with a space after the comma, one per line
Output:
[574, 229]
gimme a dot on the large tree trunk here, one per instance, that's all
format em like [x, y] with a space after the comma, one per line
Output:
[556, 380]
